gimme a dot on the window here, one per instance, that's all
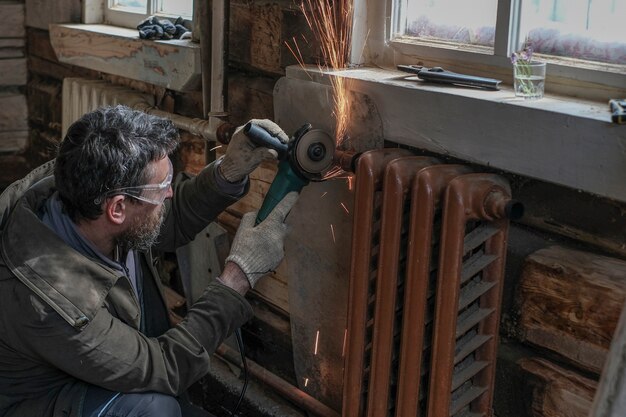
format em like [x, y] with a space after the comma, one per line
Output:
[583, 41]
[128, 13]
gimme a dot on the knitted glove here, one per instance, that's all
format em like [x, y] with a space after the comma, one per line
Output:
[242, 156]
[259, 249]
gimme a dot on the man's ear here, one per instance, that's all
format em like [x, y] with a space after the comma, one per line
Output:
[115, 209]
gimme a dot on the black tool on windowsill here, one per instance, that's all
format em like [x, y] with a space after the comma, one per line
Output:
[441, 76]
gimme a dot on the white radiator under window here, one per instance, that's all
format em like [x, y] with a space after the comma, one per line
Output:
[82, 95]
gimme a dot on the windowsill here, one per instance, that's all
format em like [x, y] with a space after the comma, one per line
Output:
[173, 64]
[558, 139]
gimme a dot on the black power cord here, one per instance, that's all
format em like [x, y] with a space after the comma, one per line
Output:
[245, 372]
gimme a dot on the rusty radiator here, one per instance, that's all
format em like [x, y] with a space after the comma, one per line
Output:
[429, 242]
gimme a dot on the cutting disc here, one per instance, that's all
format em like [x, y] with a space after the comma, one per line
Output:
[314, 152]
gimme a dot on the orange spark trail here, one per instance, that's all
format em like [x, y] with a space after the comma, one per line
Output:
[332, 230]
[345, 338]
[317, 339]
[215, 147]
[345, 208]
[306, 381]
[331, 23]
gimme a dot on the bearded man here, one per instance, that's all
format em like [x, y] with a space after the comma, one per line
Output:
[84, 329]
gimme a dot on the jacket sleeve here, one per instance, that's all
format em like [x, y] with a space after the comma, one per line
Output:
[196, 202]
[113, 355]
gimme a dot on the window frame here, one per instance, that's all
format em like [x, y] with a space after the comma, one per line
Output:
[372, 44]
[130, 19]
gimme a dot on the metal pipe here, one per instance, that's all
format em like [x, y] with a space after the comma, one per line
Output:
[212, 132]
[281, 386]
[205, 27]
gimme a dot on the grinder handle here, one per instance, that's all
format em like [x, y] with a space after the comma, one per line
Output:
[262, 137]
[284, 182]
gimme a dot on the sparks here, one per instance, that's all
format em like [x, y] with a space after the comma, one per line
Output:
[317, 339]
[331, 23]
[323, 194]
[345, 338]
[345, 208]
[332, 230]
[306, 381]
[215, 147]
[350, 183]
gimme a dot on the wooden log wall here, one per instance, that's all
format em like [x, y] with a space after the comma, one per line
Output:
[14, 113]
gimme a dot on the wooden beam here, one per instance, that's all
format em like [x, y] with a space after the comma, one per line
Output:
[14, 167]
[570, 302]
[172, 64]
[13, 72]
[610, 398]
[12, 19]
[39, 45]
[13, 116]
[40, 13]
[557, 392]
[13, 142]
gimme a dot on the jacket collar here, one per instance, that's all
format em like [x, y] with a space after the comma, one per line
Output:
[72, 284]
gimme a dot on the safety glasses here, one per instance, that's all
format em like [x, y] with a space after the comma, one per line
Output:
[149, 193]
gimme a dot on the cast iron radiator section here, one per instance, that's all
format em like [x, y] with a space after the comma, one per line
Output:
[429, 243]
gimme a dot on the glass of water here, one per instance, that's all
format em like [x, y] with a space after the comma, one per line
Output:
[529, 79]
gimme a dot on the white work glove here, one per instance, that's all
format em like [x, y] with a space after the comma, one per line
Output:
[259, 249]
[243, 156]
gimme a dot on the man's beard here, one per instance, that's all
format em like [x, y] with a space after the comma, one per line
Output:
[142, 235]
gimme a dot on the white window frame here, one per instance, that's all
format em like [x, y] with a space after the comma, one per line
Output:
[371, 44]
[129, 19]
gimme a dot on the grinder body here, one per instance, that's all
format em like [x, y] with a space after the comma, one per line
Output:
[306, 157]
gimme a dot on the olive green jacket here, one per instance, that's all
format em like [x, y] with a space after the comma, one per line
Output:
[67, 321]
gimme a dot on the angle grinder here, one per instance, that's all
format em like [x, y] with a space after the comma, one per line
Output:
[306, 157]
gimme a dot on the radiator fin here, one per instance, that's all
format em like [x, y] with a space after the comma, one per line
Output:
[434, 279]
[81, 96]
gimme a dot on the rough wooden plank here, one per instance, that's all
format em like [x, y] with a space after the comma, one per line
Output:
[598, 221]
[13, 142]
[265, 41]
[12, 19]
[13, 116]
[40, 13]
[172, 64]
[192, 153]
[255, 36]
[273, 290]
[13, 72]
[39, 44]
[557, 392]
[12, 48]
[45, 103]
[250, 97]
[12, 43]
[7, 53]
[570, 302]
[610, 398]
[56, 70]
[14, 167]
